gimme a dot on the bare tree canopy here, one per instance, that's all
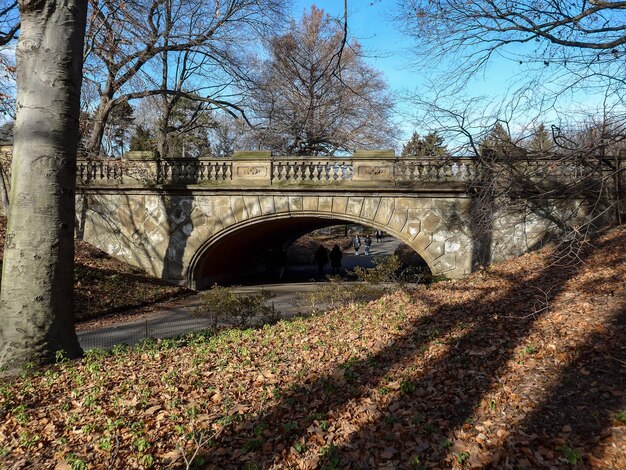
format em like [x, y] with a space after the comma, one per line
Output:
[128, 44]
[9, 21]
[316, 95]
[568, 43]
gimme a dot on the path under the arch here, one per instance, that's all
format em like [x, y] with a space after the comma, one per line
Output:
[179, 319]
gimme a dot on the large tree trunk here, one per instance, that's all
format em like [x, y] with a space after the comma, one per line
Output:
[36, 302]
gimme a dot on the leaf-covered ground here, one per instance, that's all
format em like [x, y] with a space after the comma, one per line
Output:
[105, 285]
[519, 366]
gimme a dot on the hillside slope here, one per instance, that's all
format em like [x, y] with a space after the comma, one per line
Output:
[518, 366]
[105, 285]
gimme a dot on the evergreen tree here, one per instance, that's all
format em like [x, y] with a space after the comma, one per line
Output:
[429, 146]
[224, 140]
[142, 139]
[541, 141]
[498, 144]
[433, 145]
[414, 146]
[183, 130]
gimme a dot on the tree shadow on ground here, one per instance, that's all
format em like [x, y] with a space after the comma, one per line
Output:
[577, 412]
[425, 408]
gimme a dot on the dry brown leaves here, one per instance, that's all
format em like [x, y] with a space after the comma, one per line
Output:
[518, 366]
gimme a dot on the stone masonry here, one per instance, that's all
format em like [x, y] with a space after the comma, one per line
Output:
[167, 216]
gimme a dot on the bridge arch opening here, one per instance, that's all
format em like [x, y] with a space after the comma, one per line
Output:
[254, 247]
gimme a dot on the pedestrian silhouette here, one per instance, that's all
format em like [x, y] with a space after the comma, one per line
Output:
[356, 243]
[335, 259]
[368, 244]
[321, 258]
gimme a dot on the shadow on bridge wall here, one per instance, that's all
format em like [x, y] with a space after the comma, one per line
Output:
[481, 231]
[179, 210]
[117, 225]
[83, 211]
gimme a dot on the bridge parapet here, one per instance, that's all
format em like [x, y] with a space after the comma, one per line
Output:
[370, 170]
[378, 170]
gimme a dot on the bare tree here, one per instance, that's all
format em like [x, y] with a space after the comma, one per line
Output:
[183, 115]
[315, 95]
[36, 305]
[129, 41]
[558, 48]
[9, 22]
[9, 30]
[556, 44]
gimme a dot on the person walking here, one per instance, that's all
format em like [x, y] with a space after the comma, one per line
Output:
[356, 244]
[321, 258]
[335, 259]
[368, 244]
[379, 236]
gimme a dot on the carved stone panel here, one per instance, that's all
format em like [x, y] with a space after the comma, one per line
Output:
[251, 171]
[374, 172]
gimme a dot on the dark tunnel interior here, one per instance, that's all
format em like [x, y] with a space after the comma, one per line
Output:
[245, 252]
[254, 254]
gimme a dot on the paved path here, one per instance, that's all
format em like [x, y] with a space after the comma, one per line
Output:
[179, 319]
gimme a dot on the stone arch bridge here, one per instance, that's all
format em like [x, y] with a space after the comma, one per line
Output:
[197, 221]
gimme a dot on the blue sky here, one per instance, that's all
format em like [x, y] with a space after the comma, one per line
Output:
[388, 50]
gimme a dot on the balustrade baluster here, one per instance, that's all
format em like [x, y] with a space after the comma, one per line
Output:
[447, 171]
[416, 171]
[174, 172]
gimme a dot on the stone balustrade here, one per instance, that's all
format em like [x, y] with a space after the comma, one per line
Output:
[370, 169]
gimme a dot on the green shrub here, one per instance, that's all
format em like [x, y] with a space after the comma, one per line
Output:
[224, 306]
